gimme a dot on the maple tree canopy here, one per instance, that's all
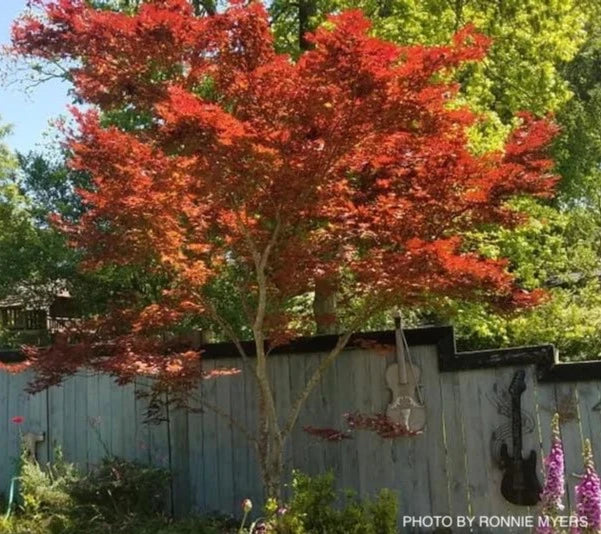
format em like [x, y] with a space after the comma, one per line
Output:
[350, 162]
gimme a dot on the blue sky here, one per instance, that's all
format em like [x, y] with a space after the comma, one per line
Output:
[28, 113]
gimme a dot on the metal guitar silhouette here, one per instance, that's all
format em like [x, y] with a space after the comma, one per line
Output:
[520, 484]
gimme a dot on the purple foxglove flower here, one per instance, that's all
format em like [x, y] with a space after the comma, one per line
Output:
[588, 493]
[554, 488]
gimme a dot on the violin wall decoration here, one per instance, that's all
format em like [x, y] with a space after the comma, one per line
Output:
[402, 378]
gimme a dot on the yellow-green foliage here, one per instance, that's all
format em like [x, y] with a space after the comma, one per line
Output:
[530, 39]
[555, 250]
[544, 58]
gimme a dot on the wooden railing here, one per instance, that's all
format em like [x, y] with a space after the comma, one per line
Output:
[16, 318]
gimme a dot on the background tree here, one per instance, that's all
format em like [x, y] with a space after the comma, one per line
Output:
[571, 318]
[23, 248]
[36, 261]
[542, 58]
[275, 174]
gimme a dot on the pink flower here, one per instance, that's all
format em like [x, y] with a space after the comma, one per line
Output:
[554, 490]
[588, 492]
[18, 419]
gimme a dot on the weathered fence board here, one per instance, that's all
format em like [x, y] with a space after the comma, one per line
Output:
[471, 397]
[196, 450]
[179, 429]
[435, 446]
[351, 473]
[210, 450]
[589, 401]
[566, 398]
[454, 432]
[240, 445]
[452, 468]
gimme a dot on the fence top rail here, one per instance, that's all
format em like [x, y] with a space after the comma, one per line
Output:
[544, 357]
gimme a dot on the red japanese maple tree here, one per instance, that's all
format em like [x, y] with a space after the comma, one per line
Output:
[350, 163]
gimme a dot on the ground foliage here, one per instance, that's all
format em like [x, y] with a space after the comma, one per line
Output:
[120, 496]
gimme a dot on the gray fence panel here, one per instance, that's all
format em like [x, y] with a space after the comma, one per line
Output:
[452, 468]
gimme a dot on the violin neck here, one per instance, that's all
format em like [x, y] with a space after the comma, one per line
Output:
[400, 353]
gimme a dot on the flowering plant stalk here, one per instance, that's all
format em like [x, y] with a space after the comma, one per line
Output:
[588, 494]
[554, 488]
[247, 506]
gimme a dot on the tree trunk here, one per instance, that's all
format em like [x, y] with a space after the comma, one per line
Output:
[324, 307]
[271, 461]
[306, 10]
[269, 436]
[270, 439]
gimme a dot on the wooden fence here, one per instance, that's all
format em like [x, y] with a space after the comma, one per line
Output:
[452, 468]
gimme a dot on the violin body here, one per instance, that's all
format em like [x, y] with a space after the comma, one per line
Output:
[404, 408]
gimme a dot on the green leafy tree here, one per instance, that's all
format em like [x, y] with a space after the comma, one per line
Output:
[567, 244]
[578, 149]
[556, 250]
[530, 39]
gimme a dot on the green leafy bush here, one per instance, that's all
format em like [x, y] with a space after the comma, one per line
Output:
[120, 488]
[316, 508]
[122, 497]
[119, 497]
[45, 502]
[132, 525]
[47, 489]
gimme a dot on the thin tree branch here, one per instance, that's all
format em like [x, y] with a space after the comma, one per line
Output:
[313, 381]
[227, 328]
[324, 366]
[229, 331]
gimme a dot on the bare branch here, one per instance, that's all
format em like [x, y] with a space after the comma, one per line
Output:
[247, 237]
[262, 281]
[314, 380]
[325, 365]
[229, 331]
[227, 328]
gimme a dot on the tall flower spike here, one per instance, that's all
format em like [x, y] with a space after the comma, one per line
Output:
[588, 494]
[554, 489]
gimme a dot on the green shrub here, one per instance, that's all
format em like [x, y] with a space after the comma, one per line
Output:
[120, 488]
[119, 497]
[56, 499]
[313, 510]
[131, 525]
[45, 489]
[45, 504]
[122, 497]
